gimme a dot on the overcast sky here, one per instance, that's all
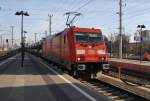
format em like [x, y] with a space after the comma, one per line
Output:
[97, 13]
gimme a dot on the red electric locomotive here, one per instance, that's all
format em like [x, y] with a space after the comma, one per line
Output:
[79, 50]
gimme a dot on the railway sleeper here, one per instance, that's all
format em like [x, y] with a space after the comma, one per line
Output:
[113, 97]
[110, 90]
[108, 94]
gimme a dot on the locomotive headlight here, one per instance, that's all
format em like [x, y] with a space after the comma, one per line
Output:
[103, 59]
[80, 51]
[90, 46]
[78, 59]
[101, 51]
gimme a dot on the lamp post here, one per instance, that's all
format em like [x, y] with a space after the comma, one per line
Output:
[24, 39]
[141, 40]
[22, 13]
[35, 37]
[12, 31]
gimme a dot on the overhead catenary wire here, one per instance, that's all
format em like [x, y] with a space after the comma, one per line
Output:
[65, 7]
[75, 14]
[81, 7]
[61, 25]
[134, 6]
[139, 14]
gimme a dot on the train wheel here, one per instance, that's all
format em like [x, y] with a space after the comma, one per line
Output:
[75, 73]
[62, 68]
[71, 72]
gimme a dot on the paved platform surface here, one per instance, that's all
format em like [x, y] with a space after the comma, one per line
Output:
[37, 81]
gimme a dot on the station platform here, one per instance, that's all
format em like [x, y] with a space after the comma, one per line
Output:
[39, 81]
[129, 87]
[133, 65]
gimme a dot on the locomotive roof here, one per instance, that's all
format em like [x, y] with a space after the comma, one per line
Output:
[93, 30]
[76, 29]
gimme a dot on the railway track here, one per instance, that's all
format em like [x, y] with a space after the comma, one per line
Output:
[112, 92]
[7, 55]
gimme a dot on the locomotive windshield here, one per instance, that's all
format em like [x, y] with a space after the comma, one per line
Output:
[88, 37]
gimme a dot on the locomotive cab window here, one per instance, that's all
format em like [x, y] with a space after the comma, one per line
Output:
[88, 37]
